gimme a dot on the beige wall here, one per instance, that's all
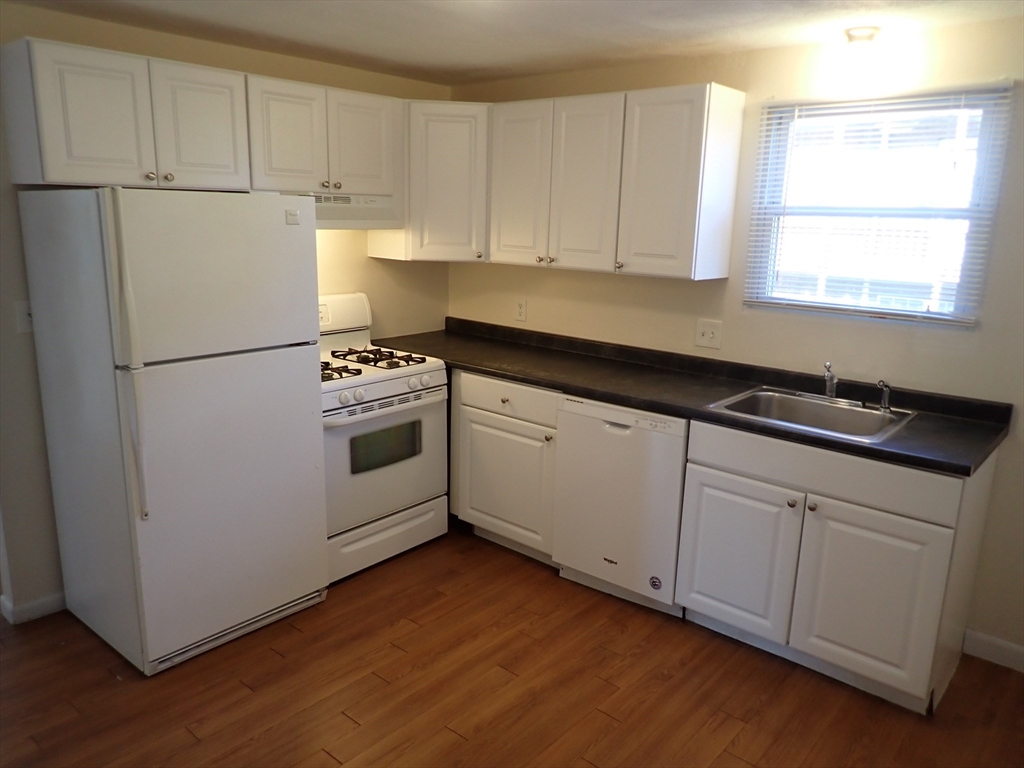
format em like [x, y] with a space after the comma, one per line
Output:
[404, 300]
[986, 362]
[405, 297]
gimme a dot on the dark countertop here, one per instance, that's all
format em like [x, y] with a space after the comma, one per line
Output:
[954, 436]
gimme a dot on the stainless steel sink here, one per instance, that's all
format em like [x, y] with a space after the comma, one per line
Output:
[815, 414]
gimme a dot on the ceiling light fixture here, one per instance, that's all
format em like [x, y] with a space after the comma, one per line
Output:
[862, 34]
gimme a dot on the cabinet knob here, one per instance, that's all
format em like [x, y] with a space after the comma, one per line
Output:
[791, 503]
[337, 185]
[619, 265]
[812, 506]
[504, 400]
[548, 438]
[540, 259]
[168, 177]
[325, 184]
[479, 255]
[551, 259]
[151, 176]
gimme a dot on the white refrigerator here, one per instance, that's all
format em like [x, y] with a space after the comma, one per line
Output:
[175, 337]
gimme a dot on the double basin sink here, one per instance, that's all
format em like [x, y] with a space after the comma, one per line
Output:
[815, 414]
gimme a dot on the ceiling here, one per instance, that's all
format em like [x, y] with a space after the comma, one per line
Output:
[461, 41]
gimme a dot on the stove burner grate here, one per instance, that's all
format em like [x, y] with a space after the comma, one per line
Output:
[330, 372]
[379, 358]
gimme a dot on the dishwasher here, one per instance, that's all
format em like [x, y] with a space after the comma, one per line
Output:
[618, 495]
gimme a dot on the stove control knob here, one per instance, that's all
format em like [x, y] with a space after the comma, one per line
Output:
[359, 395]
[344, 398]
[425, 380]
[414, 383]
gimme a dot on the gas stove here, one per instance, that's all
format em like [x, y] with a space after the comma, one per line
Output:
[385, 423]
[355, 374]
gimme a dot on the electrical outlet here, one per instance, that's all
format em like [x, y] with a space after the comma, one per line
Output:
[520, 310]
[23, 313]
[709, 333]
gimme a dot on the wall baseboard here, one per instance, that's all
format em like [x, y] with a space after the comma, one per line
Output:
[18, 614]
[993, 649]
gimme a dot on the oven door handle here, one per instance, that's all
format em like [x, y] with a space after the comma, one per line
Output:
[429, 397]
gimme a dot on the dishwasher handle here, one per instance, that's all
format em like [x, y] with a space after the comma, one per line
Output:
[616, 428]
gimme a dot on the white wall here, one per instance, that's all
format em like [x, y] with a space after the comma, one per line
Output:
[984, 362]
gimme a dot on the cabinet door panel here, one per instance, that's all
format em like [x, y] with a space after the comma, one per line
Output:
[448, 180]
[738, 546]
[506, 477]
[82, 142]
[363, 132]
[869, 592]
[586, 166]
[201, 127]
[288, 135]
[661, 174]
[520, 181]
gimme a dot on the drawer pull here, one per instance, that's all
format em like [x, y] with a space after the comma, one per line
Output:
[791, 503]
[504, 400]
[812, 507]
[548, 438]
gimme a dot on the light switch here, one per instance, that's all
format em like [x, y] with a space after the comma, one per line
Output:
[709, 334]
[291, 216]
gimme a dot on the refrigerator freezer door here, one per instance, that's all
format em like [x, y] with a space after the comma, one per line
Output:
[230, 452]
[207, 273]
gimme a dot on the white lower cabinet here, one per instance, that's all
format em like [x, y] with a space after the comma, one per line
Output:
[858, 568]
[504, 464]
[869, 592]
[738, 551]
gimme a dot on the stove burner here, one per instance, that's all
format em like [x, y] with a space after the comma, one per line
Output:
[379, 358]
[330, 372]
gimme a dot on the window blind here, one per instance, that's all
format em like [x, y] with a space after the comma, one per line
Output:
[883, 207]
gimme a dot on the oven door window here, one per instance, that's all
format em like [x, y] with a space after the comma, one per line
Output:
[386, 446]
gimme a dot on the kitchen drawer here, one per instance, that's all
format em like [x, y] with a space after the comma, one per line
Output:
[913, 493]
[518, 401]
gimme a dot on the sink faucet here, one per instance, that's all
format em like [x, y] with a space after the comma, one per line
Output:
[830, 381]
[885, 396]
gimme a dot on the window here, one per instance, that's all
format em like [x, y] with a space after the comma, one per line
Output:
[882, 208]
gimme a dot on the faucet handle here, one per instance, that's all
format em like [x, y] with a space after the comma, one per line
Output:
[886, 389]
[828, 367]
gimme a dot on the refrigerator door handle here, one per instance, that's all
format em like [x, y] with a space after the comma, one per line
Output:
[137, 437]
[128, 293]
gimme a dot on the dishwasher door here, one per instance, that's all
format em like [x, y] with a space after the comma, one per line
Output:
[618, 495]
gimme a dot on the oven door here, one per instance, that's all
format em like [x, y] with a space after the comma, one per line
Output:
[390, 455]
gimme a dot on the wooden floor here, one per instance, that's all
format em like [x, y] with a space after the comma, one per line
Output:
[463, 653]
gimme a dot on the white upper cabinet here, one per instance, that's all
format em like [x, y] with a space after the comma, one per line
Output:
[447, 181]
[77, 115]
[679, 167]
[586, 164]
[520, 181]
[201, 129]
[288, 135]
[363, 133]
